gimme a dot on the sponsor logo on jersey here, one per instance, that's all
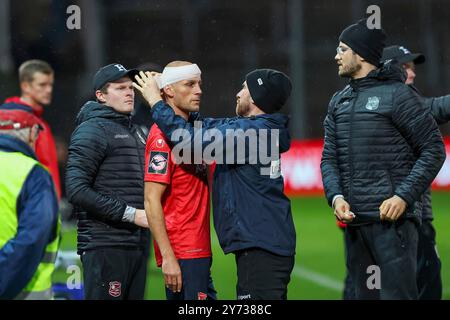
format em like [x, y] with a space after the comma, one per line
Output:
[158, 162]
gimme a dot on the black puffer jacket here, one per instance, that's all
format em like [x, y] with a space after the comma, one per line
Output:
[105, 173]
[380, 141]
[440, 109]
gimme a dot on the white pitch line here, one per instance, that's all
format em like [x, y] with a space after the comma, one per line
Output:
[318, 278]
[313, 276]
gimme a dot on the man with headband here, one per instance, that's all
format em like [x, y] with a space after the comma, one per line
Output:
[177, 196]
[252, 216]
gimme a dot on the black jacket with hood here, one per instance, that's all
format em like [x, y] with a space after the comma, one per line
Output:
[440, 109]
[105, 174]
[380, 141]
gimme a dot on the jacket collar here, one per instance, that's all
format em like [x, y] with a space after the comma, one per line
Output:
[37, 110]
[389, 72]
[93, 109]
[12, 144]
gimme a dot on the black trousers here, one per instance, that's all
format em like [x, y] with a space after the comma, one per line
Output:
[262, 275]
[349, 291]
[385, 251]
[429, 280]
[114, 273]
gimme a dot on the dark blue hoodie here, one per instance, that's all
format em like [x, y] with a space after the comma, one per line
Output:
[250, 208]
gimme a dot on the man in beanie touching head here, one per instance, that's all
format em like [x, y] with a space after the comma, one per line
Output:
[382, 150]
[252, 216]
[268, 91]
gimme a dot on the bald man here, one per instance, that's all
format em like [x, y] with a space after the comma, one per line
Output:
[177, 197]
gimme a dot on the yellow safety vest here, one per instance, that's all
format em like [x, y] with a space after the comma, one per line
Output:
[15, 168]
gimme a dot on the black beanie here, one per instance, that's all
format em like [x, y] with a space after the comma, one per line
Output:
[269, 89]
[368, 43]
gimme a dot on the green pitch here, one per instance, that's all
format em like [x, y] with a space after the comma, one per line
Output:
[319, 269]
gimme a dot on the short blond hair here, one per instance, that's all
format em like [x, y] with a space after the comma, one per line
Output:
[29, 68]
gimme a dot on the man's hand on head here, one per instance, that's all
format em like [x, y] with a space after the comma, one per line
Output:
[148, 86]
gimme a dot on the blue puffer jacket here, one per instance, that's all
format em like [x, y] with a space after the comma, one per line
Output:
[250, 208]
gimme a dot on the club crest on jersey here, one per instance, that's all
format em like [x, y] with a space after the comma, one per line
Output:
[160, 143]
[372, 103]
[158, 162]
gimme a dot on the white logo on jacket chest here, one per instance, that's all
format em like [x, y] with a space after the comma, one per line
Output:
[275, 169]
[121, 136]
[372, 103]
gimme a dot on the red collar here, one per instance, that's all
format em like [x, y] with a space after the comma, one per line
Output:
[37, 110]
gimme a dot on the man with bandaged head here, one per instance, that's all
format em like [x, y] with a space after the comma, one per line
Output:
[177, 196]
[252, 215]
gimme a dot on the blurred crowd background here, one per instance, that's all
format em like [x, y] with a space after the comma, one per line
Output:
[225, 38]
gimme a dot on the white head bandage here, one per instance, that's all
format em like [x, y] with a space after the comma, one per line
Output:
[174, 74]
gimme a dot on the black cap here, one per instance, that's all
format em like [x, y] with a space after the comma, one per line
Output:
[268, 88]
[111, 73]
[402, 55]
[368, 43]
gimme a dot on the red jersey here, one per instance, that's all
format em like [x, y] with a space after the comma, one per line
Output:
[185, 202]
